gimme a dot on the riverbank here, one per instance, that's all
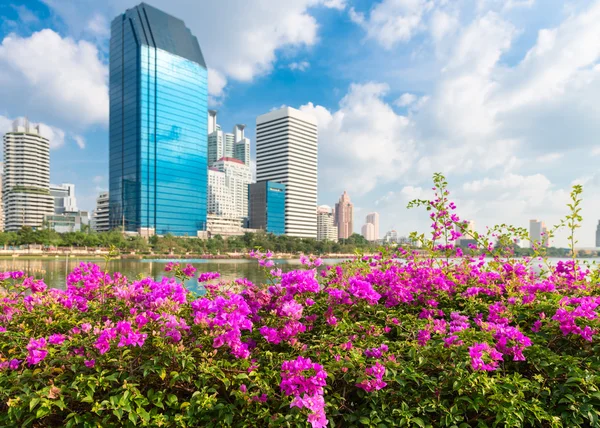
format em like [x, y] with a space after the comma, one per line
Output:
[102, 255]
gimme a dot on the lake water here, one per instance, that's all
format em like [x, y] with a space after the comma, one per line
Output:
[54, 270]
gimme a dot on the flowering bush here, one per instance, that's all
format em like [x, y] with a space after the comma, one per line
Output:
[394, 339]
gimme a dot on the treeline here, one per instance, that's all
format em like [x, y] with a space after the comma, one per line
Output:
[179, 245]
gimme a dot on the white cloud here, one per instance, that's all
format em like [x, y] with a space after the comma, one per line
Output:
[55, 78]
[98, 27]
[239, 39]
[549, 157]
[405, 100]
[300, 66]
[392, 21]
[364, 142]
[55, 135]
[26, 16]
[216, 85]
[80, 141]
[595, 151]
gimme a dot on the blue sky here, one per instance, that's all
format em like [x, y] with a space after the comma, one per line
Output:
[499, 95]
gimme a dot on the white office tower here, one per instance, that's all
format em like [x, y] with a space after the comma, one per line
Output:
[286, 151]
[26, 181]
[373, 218]
[235, 177]
[241, 149]
[215, 139]
[538, 234]
[368, 232]
[64, 198]
[326, 229]
[100, 216]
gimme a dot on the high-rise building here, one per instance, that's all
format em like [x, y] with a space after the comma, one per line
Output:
[26, 180]
[220, 198]
[237, 179]
[368, 231]
[241, 149]
[598, 235]
[267, 206]
[74, 221]
[391, 237]
[344, 214]
[100, 217]
[223, 145]
[158, 125]
[538, 234]
[373, 218]
[286, 152]
[467, 233]
[64, 198]
[326, 230]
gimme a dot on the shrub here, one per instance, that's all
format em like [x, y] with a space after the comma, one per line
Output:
[397, 339]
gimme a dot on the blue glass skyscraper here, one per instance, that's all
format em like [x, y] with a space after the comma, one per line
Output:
[267, 206]
[158, 125]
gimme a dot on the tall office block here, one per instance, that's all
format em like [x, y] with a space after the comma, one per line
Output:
[598, 235]
[241, 148]
[101, 215]
[224, 145]
[237, 179]
[373, 218]
[26, 180]
[326, 229]
[158, 125]
[215, 139]
[1, 200]
[286, 152]
[368, 231]
[538, 234]
[64, 198]
[267, 206]
[344, 216]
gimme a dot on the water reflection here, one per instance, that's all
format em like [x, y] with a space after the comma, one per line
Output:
[54, 270]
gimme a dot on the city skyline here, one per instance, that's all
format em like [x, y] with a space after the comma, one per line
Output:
[493, 156]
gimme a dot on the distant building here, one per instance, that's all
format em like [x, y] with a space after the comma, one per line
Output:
[1, 202]
[220, 198]
[158, 132]
[391, 237]
[237, 179]
[26, 180]
[598, 235]
[326, 229]
[373, 218]
[467, 234]
[224, 145]
[68, 221]
[64, 198]
[100, 217]
[267, 206]
[225, 227]
[538, 234]
[344, 213]
[368, 232]
[286, 152]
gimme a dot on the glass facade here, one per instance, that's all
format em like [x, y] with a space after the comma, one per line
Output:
[275, 208]
[158, 125]
[267, 206]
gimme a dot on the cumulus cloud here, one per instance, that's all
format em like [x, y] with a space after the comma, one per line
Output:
[59, 79]
[80, 141]
[239, 39]
[364, 142]
[300, 66]
[392, 21]
[405, 100]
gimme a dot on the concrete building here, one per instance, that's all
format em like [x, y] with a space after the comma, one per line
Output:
[224, 145]
[538, 234]
[598, 235]
[241, 148]
[100, 217]
[326, 229]
[467, 234]
[26, 180]
[68, 221]
[64, 198]
[226, 227]
[286, 152]
[158, 83]
[267, 206]
[391, 237]
[368, 232]
[344, 215]
[1, 201]
[373, 219]
[230, 188]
